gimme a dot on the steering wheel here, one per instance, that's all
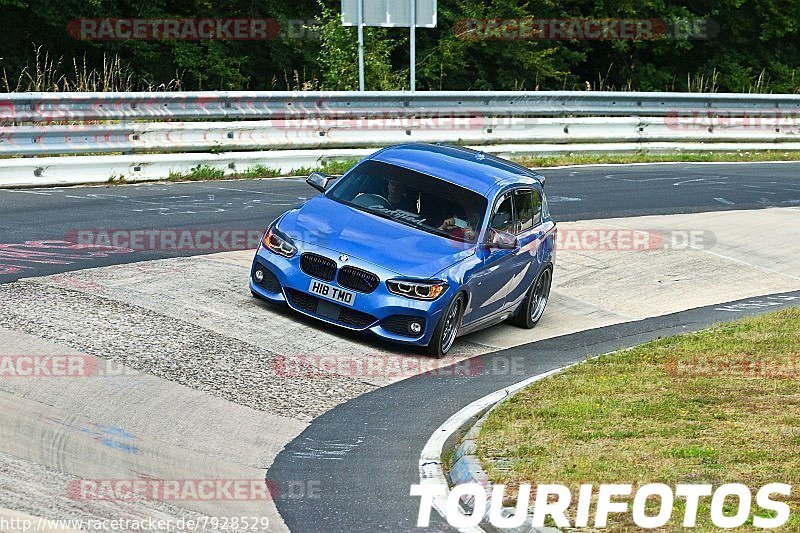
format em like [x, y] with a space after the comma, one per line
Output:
[366, 199]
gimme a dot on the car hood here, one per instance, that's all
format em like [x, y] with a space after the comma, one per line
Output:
[389, 244]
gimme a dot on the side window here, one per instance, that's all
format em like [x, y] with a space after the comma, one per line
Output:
[537, 208]
[503, 217]
[523, 205]
[528, 205]
[545, 208]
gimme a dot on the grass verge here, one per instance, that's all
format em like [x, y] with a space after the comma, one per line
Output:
[716, 406]
[340, 166]
[208, 173]
[683, 157]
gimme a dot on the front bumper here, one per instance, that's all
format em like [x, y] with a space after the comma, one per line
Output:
[379, 312]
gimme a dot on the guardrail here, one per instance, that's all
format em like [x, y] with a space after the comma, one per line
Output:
[179, 127]
[50, 107]
[356, 133]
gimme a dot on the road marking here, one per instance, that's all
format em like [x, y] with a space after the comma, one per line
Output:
[29, 192]
[329, 451]
[17, 257]
[724, 201]
[769, 301]
[636, 180]
[660, 163]
[556, 199]
[254, 191]
[679, 183]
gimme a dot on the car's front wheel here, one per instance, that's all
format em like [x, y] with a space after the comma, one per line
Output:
[532, 308]
[447, 329]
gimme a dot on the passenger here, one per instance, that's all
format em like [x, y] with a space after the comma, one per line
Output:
[465, 230]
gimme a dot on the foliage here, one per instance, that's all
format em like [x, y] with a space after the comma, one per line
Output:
[752, 46]
[338, 55]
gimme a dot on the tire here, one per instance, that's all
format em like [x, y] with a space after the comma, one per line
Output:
[532, 307]
[447, 329]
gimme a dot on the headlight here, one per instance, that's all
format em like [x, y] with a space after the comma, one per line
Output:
[278, 243]
[418, 290]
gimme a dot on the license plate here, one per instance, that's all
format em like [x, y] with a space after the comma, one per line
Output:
[332, 293]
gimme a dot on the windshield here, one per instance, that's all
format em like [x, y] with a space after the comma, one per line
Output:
[414, 199]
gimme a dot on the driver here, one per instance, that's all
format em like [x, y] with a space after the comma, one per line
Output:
[398, 196]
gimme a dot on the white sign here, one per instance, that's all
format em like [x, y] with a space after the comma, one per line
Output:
[390, 13]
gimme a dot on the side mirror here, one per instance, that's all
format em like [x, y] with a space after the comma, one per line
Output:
[319, 180]
[501, 240]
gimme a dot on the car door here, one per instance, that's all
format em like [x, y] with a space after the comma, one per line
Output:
[490, 284]
[525, 262]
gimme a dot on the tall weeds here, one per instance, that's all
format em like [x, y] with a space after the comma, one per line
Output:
[48, 74]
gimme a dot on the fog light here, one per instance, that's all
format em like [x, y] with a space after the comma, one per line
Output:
[259, 275]
[415, 327]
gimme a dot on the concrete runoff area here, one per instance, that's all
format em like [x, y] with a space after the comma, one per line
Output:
[205, 390]
[114, 423]
[731, 255]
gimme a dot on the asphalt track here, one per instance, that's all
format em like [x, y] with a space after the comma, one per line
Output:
[574, 193]
[364, 452]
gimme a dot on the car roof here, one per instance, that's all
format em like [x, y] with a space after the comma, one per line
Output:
[468, 168]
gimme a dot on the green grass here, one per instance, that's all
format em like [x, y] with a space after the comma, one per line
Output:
[716, 406]
[683, 157]
[259, 171]
[198, 173]
[337, 167]
[207, 173]
[340, 166]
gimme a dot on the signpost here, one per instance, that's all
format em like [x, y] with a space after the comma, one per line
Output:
[389, 14]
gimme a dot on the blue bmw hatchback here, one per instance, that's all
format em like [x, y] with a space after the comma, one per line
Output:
[418, 244]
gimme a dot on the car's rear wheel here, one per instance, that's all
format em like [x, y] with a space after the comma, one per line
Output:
[446, 331]
[532, 308]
